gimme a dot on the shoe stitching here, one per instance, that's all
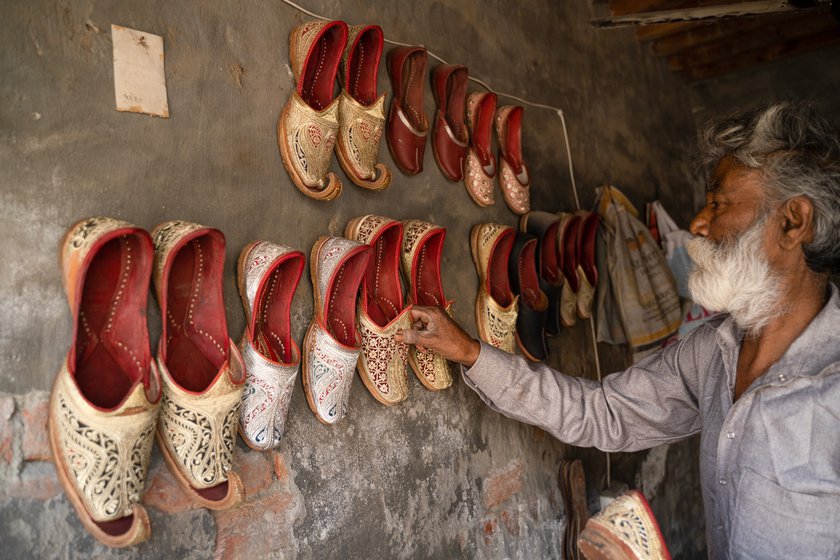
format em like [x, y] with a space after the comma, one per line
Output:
[359, 67]
[123, 279]
[280, 342]
[380, 251]
[411, 75]
[197, 247]
[421, 260]
[132, 355]
[333, 318]
[322, 49]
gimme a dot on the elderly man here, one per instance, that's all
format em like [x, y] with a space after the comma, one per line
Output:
[760, 382]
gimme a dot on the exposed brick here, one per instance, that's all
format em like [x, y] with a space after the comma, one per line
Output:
[280, 468]
[488, 529]
[38, 481]
[510, 519]
[7, 432]
[164, 493]
[260, 528]
[502, 486]
[255, 469]
[34, 412]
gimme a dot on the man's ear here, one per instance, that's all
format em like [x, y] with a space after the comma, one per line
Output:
[797, 222]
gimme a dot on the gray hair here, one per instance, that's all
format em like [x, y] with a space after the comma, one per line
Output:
[798, 154]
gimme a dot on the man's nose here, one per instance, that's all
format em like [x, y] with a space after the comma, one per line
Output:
[700, 223]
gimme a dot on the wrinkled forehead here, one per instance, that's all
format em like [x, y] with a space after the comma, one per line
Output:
[737, 182]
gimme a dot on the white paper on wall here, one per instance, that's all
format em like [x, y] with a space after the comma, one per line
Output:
[139, 80]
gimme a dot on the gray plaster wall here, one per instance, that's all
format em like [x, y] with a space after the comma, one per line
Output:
[438, 476]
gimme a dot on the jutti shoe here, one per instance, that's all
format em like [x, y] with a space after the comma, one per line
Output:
[513, 173]
[202, 370]
[408, 125]
[450, 134]
[422, 249]
[480, 174]
[587, 271]
[624, 530]
[309, 123]
[567, 240]
[381, 313]
[332, 343]
[533, 303]
[495, 303]
[361, 114]
[545, 226]
[268, 276]
[105, 398]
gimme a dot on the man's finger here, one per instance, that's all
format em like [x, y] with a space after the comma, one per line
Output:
[409, 336]
[420, 313]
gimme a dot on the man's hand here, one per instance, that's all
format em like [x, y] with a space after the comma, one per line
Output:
[435, 330]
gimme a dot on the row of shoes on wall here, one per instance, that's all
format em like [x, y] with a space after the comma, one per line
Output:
[315, 122]
[534, 280]
[111, 397]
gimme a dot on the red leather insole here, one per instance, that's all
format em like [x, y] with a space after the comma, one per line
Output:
[549, 266]
[272, 324]
[498, 269]
[197, 340]
[513, 140]
[428, 289]
[456, 100]
[382, 281]
[341, 300]
[364, 62]
[112, 345]
[484, 113]
[415, 69]
[320, 69]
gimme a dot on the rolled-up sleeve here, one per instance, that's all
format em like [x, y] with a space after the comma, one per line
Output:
[652, 402]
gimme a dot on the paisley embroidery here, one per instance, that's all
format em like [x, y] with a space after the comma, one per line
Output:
[108, 470]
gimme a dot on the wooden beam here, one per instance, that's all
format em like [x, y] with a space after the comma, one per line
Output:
[704, 34]
[624, 7]
[760, 38]
[743, 60]
[701, 13]
[653, 32]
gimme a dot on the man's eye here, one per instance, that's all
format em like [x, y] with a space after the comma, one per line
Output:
[714, 203]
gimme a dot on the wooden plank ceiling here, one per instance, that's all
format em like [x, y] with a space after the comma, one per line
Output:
[708, 49]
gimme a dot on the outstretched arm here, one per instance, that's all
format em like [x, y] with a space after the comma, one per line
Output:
[648, 404]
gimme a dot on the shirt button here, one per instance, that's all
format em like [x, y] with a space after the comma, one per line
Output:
[722, 482]
[782, 377]
[730, 435]
[720, 527]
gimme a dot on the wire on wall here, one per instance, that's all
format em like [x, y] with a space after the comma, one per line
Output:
[559, 112]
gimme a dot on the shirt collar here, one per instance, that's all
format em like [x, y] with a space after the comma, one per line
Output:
[814, 349]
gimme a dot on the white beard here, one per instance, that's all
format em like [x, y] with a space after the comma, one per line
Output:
[735, 277]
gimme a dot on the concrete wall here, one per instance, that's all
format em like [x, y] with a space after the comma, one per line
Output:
[437, 476]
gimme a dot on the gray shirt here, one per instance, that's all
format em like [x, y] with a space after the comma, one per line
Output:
[769, 463]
